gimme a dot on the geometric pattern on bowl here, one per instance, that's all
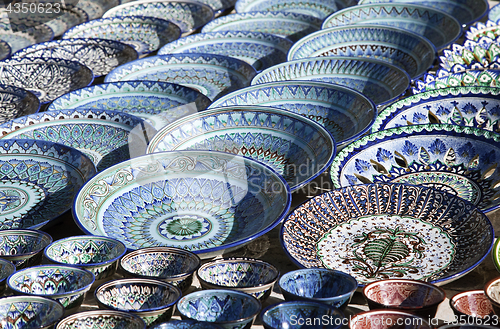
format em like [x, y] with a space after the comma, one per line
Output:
[199, 201]
[317, 8]
[18, 312]
[444, 79]
[211, 75]
[473, 55]
[102, 319]
[24, 248]
[186, 324]
[106, 137]
[99, 55]
[261, 50]
[472, 106]
[472, 303]
[387, 230]
[20, 38]
[379, 81]
[410, 51]
[296, 147]
[463, 161]
[16, 102]
[160, 103]
[344, 112]
[292, 26]
[489, 29]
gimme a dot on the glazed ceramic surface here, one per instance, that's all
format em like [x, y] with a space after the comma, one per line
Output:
[494, 13]
[496, 255]
[480, 30]
[379, 81]
[47, 78]
[473, 303]
[16, 102]
[186, 324]
[144, 34]
[409, 51]
[228, 211]
[160, 103]
[445, 79]
[284, 24]
[492, 291]
[106, 137]
[219, 7]
[345, 113]
[387, 230]
[101, 319]
[99, 55]
[6, 269]
[211, 75]
[19, 38]
[439, 27]
[23, 248]
[316, 8]
[298, 148]
[386, 319]
[69, 18]
[476, 55]
[5, 50]
[96, 8]
[30, 312]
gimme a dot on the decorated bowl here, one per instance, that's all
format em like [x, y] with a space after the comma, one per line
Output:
[480, 30]
[201, 201]
[24, 248]
[6, 269]
[65, 284]
[381, 82]
[252, 276]
[296, 147]
[16, 102]
[386, 319]
[70, 17]
[492, 291]
[96, 8]
[186, 324]
[388, 230]
[211, 75]
[344, 112]
[152, 300]
[316, 8]
[445, 79]
[473, 55]
[219, 7]
[472, 305]
[102, 319]
[173, 265]
[19, 36]
[22, 312]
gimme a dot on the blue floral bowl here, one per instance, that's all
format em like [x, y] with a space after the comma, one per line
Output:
[16, 102]
[24, 248]
[186, 324]
[315, 8]
[22, 312]
[6, 269]
[101, 319]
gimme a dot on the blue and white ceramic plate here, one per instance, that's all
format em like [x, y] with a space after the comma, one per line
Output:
[296, 147]
[99, 55]
[211, 75]
[439, 27]
[16, 102]
[188, 15]
[494, 13]
[445, 79]
[381, 82]
[380, 231]
[96, 8]
[204, 202]
[106, 137]
[261, 50]
[481, 55]
[283, 24]
[4, 50]
[145, 34]
[160, 103]
[69, 18]
[47, 78]
[451, 158]
[21, 37]
[344, 112]
[317, 8]
[480, 30]
[38, 181]
[412, 52]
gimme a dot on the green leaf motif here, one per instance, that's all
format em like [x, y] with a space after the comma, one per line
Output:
[386, 251]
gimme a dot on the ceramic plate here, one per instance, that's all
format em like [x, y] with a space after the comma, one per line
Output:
[188, 15]
[481, 55]
[69, 18]
[381, 82]
[412, 52]
[477, 107]
[200, 201]
[316, 8]
[145, 34]
[380, 231]
[344, 112]
[96, 8]
[439, 27]
[16, 102]
[445, 79]
[479, 30]
[451, 158]
[294, 146]
[99, 55]
[38, 181]
[23, 37]
[261, 50]
[106, 137]
[158, 102]
[287, 25]
[211, 75]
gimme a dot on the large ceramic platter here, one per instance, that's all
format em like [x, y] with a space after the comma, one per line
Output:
[316, 8]
[205, 202]
[480, 30]
[211, 75]
[444, 79]
[439, 27]
[380, 231]
[16, 102]
[294, 146]
[379, 81]
[456, 159]
[38, 181]
[344, 112]
[480, 55]
[21, 38]
[412, 52]
[160, 103]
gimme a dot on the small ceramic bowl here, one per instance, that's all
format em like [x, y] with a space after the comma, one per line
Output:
[412, 296]
[472, 305]
[385, 319]
[96, 254]
[24, 248]
[152, 300]
[173, 265]
[226, 308]
[252, 276]
[186, 324]
[6, 269]
[22, 312]
[102, 319]
[492, 291]
[318, 285]
[66, 284]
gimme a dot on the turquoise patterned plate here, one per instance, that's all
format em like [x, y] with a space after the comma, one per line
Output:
[316, 8]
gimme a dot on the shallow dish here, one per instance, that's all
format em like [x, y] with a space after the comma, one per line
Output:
[473, 55]
[342, 229]
[101, 319]
[472, 305]
[6, 269]
[16, 102]
[411, 52]
[30, 312]
[24, 248]
[19, 37]
[386, 319]
[207, 231]
[317, 8]
[444, 79]
[296, 147]
[211, 75]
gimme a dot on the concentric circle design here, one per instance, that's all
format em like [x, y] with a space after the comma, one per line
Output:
[17, 198]
[185, 227]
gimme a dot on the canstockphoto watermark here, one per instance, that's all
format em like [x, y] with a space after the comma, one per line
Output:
[325, 320]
